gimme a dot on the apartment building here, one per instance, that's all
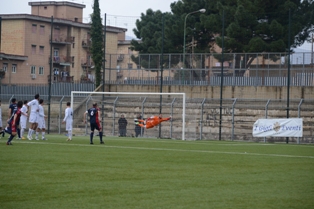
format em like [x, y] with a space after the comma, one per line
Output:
[52, 33]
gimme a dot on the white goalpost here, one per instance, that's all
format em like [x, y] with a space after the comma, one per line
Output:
[88, 94]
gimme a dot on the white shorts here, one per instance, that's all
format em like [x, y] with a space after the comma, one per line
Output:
[68, 125]
[41, 123]
[33, 118]
[23, 122]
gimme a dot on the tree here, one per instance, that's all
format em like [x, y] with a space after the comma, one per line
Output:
[250, 26]
[149, 31]
[97, 41]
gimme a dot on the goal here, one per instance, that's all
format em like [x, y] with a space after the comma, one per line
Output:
[113, 104]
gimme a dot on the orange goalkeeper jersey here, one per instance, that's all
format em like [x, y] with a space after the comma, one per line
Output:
[154, 121]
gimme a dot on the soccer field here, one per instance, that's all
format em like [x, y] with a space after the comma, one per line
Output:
[155, 173]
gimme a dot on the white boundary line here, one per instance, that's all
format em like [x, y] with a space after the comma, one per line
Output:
[165, 149]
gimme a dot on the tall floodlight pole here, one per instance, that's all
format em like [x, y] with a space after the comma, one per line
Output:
[161, 67]
[312, 52]
[50, 73]
[184, 32]
[288, 81]
[222, 70]
[103, 75]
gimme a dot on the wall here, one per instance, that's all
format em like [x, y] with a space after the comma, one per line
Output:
[14, 31]
[244, 92]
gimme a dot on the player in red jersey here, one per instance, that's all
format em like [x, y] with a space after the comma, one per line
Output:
[94, 115]
[14, 123]
[152, 121]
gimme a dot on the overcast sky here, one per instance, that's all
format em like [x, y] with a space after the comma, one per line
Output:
[120, 13]
[112, 7]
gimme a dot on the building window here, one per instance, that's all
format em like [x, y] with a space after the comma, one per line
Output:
[73, 61]
[56, 57]
[73, 45]
[14, 68]
[56, 33]
[75, 19]
[56, 71]
[56, 52]
[42, 30]
[34, 28]
[33, 49]
[5, 67]
[45, 7]
[130, 66]
[41, 70]
[41, 49]
[33, 70]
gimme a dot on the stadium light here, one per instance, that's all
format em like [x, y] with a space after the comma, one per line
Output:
[186, 16]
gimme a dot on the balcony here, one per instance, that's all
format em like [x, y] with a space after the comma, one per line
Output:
[87, 63]
[61, 60]
[61, 78]
[86, 43]
[120, 57]
[61, 40]
[119, 75]
[2, 73]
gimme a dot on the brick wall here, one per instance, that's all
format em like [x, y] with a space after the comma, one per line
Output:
[13, 30]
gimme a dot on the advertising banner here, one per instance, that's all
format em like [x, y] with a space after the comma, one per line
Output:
[288, 127]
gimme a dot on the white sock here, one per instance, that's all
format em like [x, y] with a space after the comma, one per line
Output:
[43, 135]
[22, 132]
[70, 134]
[30, 132]
[37, 134]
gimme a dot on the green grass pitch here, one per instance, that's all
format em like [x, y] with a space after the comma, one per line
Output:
[155, 173]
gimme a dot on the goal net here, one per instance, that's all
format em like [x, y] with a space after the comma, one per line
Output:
[131, 104]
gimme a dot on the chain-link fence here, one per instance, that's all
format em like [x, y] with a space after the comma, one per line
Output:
[258, 69]
[202, 116]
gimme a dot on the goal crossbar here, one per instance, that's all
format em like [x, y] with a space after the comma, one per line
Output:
[136, 93]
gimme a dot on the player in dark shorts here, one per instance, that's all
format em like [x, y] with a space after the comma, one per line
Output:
[94, 122]
[14, 122]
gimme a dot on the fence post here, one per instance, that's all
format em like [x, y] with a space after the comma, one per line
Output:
[201, 119]
[299, 114]
[171, 116]
[60, 114]
[232, 131]
[142, 114]
[86, 108]
[266, 114]
[114, 115]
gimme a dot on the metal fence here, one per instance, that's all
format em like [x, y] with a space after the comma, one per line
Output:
[57, 89]
[202, 116]
[258, 69]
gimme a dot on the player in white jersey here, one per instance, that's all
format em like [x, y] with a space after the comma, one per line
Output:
[34, 105]
[23, 120]
[68, 120]
[41, 121]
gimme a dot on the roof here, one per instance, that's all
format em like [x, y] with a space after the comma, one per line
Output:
[12, 57]
[56, 3]
[58, 21]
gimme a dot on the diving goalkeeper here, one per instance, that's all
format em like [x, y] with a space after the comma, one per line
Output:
[151, 121]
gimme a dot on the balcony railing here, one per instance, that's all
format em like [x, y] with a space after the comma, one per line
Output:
[60, 59]
[87, 62]
[61, 78]
[86, 43]
[61, 39]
